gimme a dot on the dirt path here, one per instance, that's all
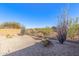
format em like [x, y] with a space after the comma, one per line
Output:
[9, 45]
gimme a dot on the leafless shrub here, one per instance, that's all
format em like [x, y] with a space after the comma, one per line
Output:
[62, 27]
[62, 31]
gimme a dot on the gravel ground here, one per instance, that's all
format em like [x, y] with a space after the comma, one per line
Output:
[56, 49]
[27, 46]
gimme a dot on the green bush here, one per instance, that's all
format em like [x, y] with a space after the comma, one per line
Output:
[73, 28]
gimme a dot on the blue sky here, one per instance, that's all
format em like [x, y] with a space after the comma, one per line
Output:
[34, 15]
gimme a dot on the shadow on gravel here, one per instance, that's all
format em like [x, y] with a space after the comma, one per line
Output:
[56, 49]
[34, 50]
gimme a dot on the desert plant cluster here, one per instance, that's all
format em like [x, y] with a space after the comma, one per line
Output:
[67, 28]
[41, 32]
[73, 30]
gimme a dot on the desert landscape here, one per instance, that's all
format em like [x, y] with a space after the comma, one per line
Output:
[39, 30]
[26, 45]
[30, 43]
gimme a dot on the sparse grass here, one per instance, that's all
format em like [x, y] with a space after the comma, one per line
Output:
[8, 36]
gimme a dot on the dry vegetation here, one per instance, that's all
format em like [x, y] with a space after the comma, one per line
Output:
[13, 28]
[67, 29]
[10, 29]
[42, 32]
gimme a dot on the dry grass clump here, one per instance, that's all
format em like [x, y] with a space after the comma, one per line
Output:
[9, 36]
[46, 42]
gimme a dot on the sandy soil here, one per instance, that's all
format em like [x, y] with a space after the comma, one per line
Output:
[9, 45]
[9, 31]
[27, 46]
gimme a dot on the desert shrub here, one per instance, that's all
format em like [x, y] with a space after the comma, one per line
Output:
[62, 31]
[73, 28]
[45, 31]
[46, 42]
[9, 36]
[10, 25]
[40, 35]
[62, 27]
[31, 32]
